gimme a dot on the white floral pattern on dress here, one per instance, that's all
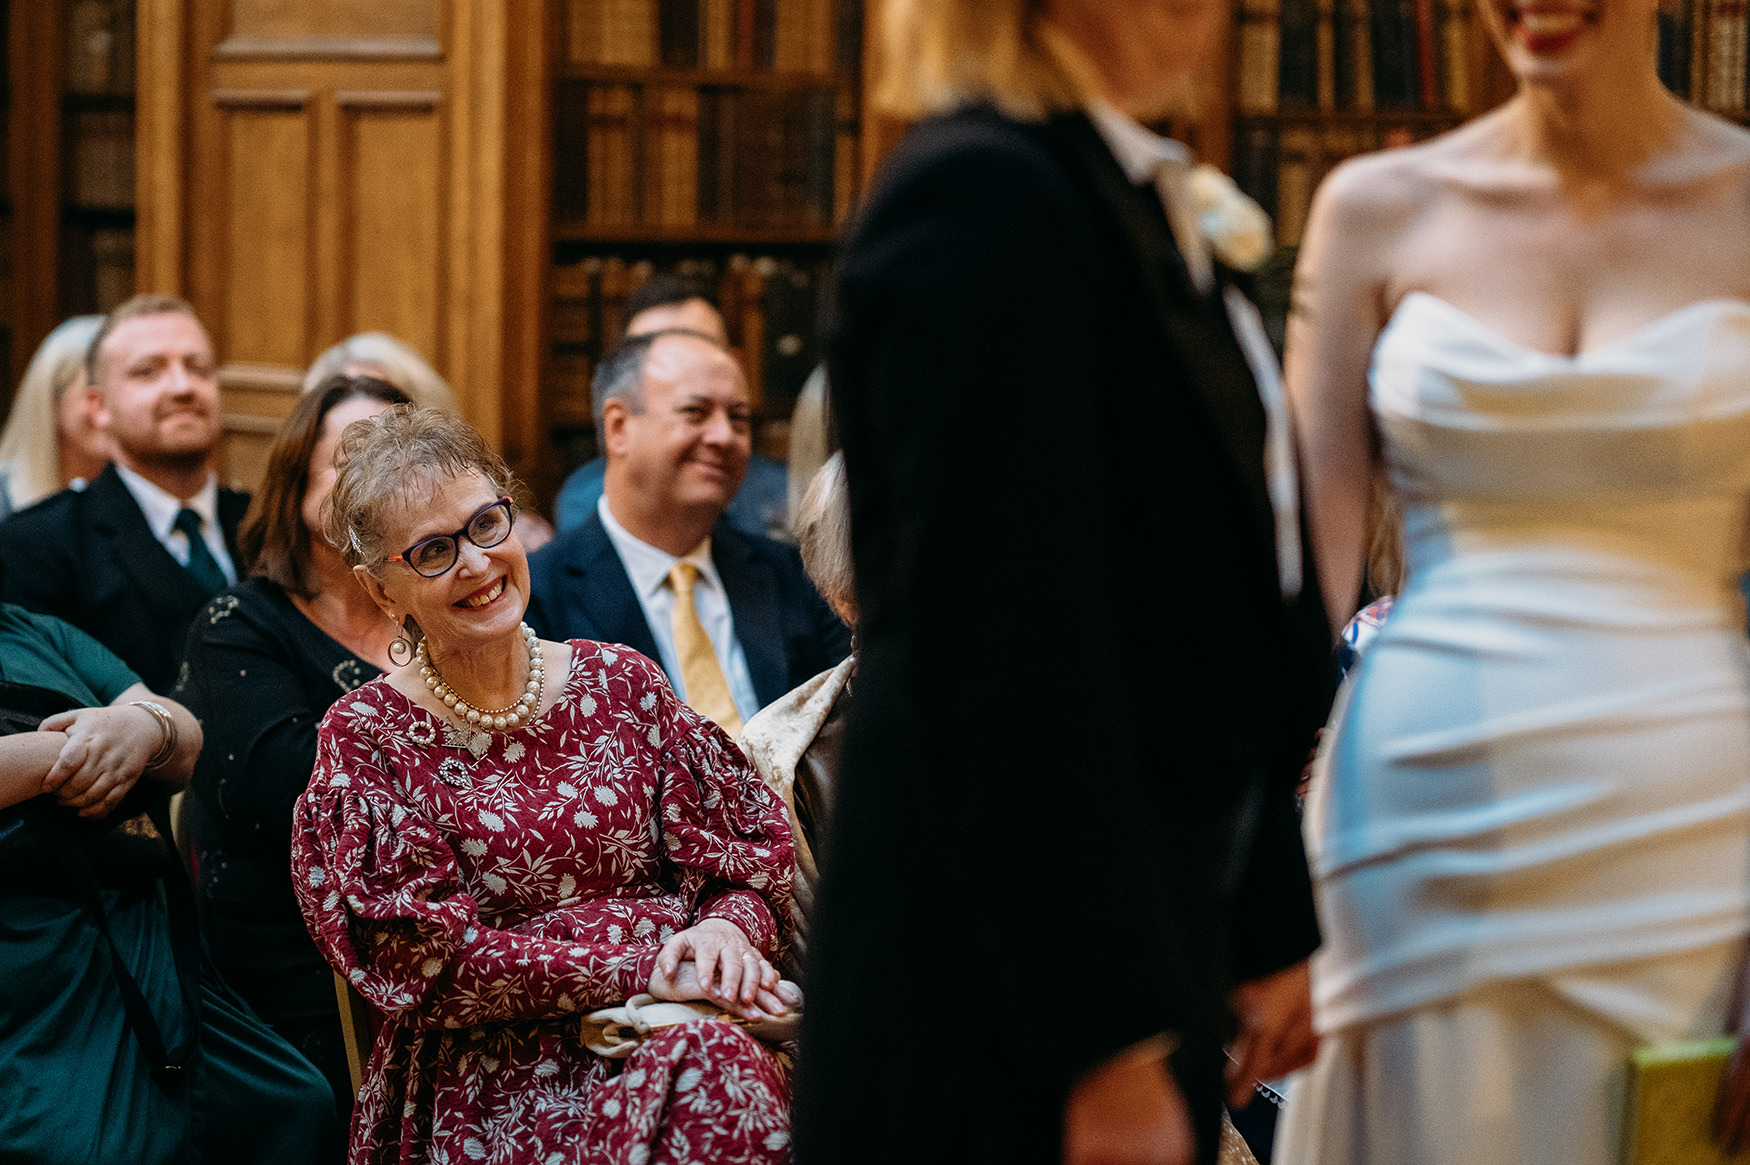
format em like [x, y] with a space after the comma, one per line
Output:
[482, 919]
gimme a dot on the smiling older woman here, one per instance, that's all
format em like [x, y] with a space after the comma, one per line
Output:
[503, 834]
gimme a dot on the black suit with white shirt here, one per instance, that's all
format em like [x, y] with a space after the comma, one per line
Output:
[1065, 820]
[89, 557]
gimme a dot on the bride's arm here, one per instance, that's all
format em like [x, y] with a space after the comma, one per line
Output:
[1339, 307]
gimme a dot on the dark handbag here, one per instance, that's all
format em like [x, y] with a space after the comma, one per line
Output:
[44, 849]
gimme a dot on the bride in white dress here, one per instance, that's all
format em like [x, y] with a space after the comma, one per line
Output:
[1532, 840]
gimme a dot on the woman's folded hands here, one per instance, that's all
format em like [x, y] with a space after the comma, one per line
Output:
[714, 961]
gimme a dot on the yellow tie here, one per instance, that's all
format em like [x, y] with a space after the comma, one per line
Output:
[701, 674]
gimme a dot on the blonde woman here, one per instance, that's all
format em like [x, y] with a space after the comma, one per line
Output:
[51, 439]
[1532, 849]
[388, 359]
[1038, 808]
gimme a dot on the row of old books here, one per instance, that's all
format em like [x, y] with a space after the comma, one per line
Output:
[630, 157]
[1360, 55]
[100, 46]
[790, 36]
[1702, 52]
[769, 303]
[1281, 165]
[100, 171]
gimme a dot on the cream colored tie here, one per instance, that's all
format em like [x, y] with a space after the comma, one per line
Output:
[701, 674]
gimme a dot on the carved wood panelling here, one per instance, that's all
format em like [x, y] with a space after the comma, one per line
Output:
[283, 19]
[394, 260]
[314, 168]
[268, 155]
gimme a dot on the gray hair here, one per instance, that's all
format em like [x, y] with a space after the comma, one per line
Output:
[388, 463]
[823, 529]
[389, 359]
[620, 375]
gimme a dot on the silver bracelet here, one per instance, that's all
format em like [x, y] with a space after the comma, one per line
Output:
[166, 732]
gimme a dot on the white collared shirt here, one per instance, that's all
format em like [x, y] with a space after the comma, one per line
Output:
[160, 510]
[1141, 154]
[647, 567]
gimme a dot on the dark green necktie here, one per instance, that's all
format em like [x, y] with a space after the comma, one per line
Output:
[201, 563]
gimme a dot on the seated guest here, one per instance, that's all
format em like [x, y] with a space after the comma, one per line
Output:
[674, 302]
[133, 558]
[506, 833]
[114, 1046]
[795, 742]
[51, 440]
[388, 359]
[730, 615]
[265, 660]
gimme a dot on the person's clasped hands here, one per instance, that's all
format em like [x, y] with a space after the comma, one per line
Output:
[713, 960]
[106, 753]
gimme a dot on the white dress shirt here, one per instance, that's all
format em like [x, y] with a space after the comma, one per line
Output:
[1147, 158]
[647, 567]
[160, 509]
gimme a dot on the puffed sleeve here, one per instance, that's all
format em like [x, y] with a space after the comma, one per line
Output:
[381, 894]
[723, 831]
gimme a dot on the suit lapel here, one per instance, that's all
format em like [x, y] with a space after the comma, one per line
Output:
[136, 551]
[603, 602]
[753, 605]
[1194, 326]
[233, 504]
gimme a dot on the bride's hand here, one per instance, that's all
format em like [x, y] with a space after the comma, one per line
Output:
[714, 961]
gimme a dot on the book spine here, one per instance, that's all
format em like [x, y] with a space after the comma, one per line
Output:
[1700, 12]
[719, 34]
[586, 31]
[822, 150]
[1739, 31]
[1455, 43]
[1255, 165]
[1388, 53]
[1260, 47]
[1361, 52]
[844, 183]
[1427, 64]
[1327, 55]
[1298, 55]
[678, 33]
[1719, 50]
[1674, 28]
[1294, 183]
[746, 16]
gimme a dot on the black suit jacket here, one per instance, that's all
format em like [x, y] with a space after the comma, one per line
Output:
[1066, 806]
[87, 556]
[579, 590]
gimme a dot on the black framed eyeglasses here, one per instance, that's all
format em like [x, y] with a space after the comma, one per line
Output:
[490, 525]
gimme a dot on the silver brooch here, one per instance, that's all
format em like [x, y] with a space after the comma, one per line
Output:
[453, 773]
[475, 742]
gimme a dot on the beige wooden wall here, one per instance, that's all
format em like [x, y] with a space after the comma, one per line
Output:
[314, 168]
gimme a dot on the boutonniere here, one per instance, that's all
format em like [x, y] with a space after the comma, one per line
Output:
[1235, 227]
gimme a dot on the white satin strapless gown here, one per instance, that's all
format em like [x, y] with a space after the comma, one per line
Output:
[1531, 831]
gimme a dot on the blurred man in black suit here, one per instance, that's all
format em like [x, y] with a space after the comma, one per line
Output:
[133, 557]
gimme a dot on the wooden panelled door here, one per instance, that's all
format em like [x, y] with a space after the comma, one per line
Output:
[314, 168]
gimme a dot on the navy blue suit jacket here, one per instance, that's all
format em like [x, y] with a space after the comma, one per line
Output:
[579, 590]
[88, 557]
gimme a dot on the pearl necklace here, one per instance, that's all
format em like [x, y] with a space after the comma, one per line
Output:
[497, 719]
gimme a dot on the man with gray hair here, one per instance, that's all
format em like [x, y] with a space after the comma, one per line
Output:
[132, 558]
[730, 615]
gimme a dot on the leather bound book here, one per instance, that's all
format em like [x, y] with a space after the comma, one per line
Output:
[1669, 1113]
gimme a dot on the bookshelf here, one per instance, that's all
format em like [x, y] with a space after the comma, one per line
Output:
[716, 138]
[67, 214]
[1308, 83]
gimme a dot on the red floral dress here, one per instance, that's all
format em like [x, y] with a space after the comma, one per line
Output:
[483, 905]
